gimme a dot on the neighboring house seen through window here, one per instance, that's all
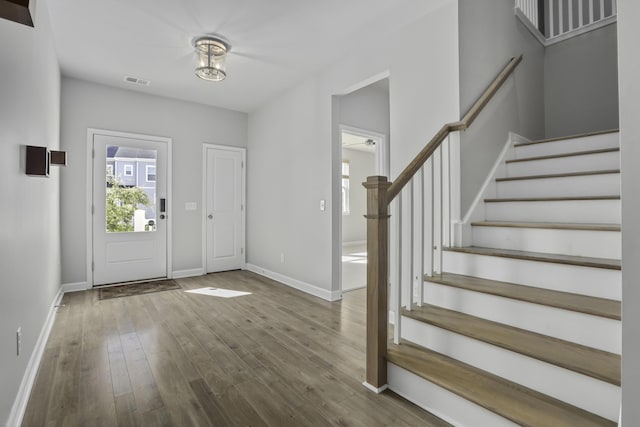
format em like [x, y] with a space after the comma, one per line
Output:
[151, 173]
[128, 170]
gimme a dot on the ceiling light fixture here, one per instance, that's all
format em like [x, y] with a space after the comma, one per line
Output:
[212, 53]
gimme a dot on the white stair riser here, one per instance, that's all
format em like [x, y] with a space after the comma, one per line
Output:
[576, 389]
[588, 185]
[585, 243]
[592, 331]
[597, 282]
[595, 142]
[444, 404]
[575, 211]
[583, 163]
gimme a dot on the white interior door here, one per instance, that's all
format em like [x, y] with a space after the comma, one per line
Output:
[224, 209]
[129, 209]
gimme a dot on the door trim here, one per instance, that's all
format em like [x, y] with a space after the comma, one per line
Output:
[91, 132]
[203, 202]
[382, 146]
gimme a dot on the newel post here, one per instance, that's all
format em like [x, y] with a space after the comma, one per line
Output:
[377, 279]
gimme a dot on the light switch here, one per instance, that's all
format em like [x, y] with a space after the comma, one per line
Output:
[190, 206]
[323, 204]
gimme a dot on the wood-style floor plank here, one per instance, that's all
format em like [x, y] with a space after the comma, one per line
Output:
[277, 357]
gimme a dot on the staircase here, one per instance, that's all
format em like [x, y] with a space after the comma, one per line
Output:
[522, 326]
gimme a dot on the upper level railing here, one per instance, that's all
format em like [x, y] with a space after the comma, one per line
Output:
[559, 19]
[426, 182]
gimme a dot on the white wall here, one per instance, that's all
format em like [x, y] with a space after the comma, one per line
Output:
[581, 84]
[88, 105]
[490, 34]
[294, 146]
[629, 70]
[361, 165]
[29, 218]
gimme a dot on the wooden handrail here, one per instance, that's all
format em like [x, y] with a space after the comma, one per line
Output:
[442, 134]
[380, 193]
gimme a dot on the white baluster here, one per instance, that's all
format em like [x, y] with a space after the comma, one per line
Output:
[580, 13]
[408, 289]
[449, 227]
[422, 238]
[433, 216]
[441, 219]
[601, 9]
[614, 7]
[590, 11]
[551, 9]
[561, 18]
[397, 289]
[570, 11]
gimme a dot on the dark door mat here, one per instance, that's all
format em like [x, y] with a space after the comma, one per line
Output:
[137, 289]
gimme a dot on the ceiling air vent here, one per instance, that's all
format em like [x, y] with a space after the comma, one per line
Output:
[137, 81]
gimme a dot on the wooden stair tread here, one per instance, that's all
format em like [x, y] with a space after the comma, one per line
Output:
[551, 199]
[548, 225]
[562, 138]
[505, 398]
[557, 156]
[559, 175]
[610, 264]
[600, 307]
[588, 361]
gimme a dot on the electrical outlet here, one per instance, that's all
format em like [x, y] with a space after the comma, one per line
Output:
[18, 341]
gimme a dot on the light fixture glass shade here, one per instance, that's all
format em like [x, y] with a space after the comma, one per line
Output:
[211, 53]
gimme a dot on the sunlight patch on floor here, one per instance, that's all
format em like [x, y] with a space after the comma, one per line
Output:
[218, 292]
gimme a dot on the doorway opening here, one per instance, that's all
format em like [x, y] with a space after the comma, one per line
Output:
[364, 147]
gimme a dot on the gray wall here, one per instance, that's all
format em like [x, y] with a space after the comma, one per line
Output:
[88, 105]
[367, 108]
[361, 165]
[581, 84]
[300, 129]
[629, 63]
[29, 219]
[490, 34]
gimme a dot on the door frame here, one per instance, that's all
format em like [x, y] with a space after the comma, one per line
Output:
[203, 203]
[382, 147]
[91, 132]
[381, 155]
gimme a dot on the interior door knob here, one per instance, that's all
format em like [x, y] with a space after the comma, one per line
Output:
[210, 216]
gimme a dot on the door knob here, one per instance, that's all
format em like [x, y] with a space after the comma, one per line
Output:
[162, 216]
[210, 216]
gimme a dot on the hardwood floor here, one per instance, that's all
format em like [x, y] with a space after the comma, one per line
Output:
[277, 357]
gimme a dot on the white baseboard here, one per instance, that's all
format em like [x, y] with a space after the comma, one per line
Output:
[376, 390]
[297, 284]
[181, 274]
[29, 377]
[75, 287]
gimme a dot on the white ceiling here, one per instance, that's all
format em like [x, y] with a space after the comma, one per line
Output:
[275, 43]
[356, 142]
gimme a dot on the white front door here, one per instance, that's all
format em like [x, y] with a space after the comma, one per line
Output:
[224, 208]
[129, 208]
